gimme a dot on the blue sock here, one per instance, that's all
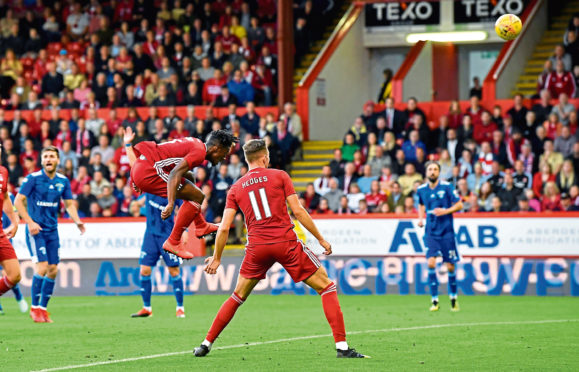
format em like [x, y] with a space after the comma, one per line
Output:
[36, 288]
[146, 286]
[47, 289]
[17, 292]
[452, 284]
[178, 289]
[433, 282]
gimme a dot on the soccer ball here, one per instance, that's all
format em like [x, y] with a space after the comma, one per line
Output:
[508, 26]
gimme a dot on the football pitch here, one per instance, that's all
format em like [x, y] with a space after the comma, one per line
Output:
[290, 333]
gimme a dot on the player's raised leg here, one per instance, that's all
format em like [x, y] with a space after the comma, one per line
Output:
[226, 312]
[146, 288]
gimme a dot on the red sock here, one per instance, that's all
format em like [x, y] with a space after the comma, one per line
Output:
[187, 213]
[224, 316]
[199, 221]
[5, 285]
[333, 312]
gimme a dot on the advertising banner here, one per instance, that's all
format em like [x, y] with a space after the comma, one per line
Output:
[500, 236]
[474, 236]
[402, 13]
[486, 11]
[352, 275]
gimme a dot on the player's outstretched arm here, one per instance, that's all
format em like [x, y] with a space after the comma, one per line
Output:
[21, 206]
[174, 181]
[421, 213]
[306, 220]
[128, 137]
[73, 213]
[8, 208]
[454, 208]
[220, 240]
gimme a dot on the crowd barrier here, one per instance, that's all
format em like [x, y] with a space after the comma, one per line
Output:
[501, 254]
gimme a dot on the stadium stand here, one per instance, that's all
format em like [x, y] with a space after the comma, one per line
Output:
[72, 74]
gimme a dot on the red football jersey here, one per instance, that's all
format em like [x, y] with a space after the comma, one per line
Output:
[3, 187]
[261, 195]
[168, 154]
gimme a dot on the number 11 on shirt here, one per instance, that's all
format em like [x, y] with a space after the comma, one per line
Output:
[264, 203]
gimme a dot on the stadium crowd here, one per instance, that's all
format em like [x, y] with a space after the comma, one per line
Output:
[79, 57]
[526, 159]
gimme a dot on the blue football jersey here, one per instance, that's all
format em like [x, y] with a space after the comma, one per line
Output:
[442, 196]
[5, 219]
[154, 205]
[43, 196]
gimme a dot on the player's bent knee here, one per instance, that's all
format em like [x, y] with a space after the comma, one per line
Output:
[42, 268]
[173, 271]
[15, 277]
[145, 270]
[52, 271]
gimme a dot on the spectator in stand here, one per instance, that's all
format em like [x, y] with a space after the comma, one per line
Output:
[499, 148]
[395, 119]
[349, 176]
[563, 109]
[212, 87]
[509, 193]
[284, 140]
[411, 145]
[107, 202]
[559, 55]
[366, 180]
[343, 207]
[544, 76]
[515, 147]
[333, 195]
[52, 81]
[553, 158]
[486, 158]
[518, 111]
[375, 197]
[386, 87]
[561, 81]
[311, 197]
[476, 179]
[566, 177]
[497, 177]
[454, 115]
[241, 89]
[475, 110]
[104, 149]
[521, 178]
[407, 180]
[476, 90]
[567, 204]
[540, 179]
[564, 142]
[354, 196]
[322, 183]
[551, 200]
[349, 147]
[293, 120]
[411, 110]
[484, 130]
[379, 161]
[543, 108]
[485, 198]
[466, 131]
[337, 163]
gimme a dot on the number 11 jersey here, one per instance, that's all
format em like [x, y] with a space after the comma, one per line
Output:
[261, 195]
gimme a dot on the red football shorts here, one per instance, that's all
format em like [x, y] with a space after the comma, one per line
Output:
[6, 249]
[297, 259]
[150, 179]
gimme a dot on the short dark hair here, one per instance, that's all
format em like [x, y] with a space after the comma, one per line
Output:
[430, 162]
[252, 148]
[221, 138]
[50, 148]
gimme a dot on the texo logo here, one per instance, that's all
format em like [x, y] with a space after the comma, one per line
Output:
[391, 11]
[483, 8]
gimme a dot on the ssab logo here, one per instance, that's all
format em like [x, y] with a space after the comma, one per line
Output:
[406, 236]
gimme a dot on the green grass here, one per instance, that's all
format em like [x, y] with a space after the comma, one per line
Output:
[96, 329]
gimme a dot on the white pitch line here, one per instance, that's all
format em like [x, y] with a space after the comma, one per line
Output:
[387, 330]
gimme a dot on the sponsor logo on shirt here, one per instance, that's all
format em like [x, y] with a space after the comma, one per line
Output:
[46, 204]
